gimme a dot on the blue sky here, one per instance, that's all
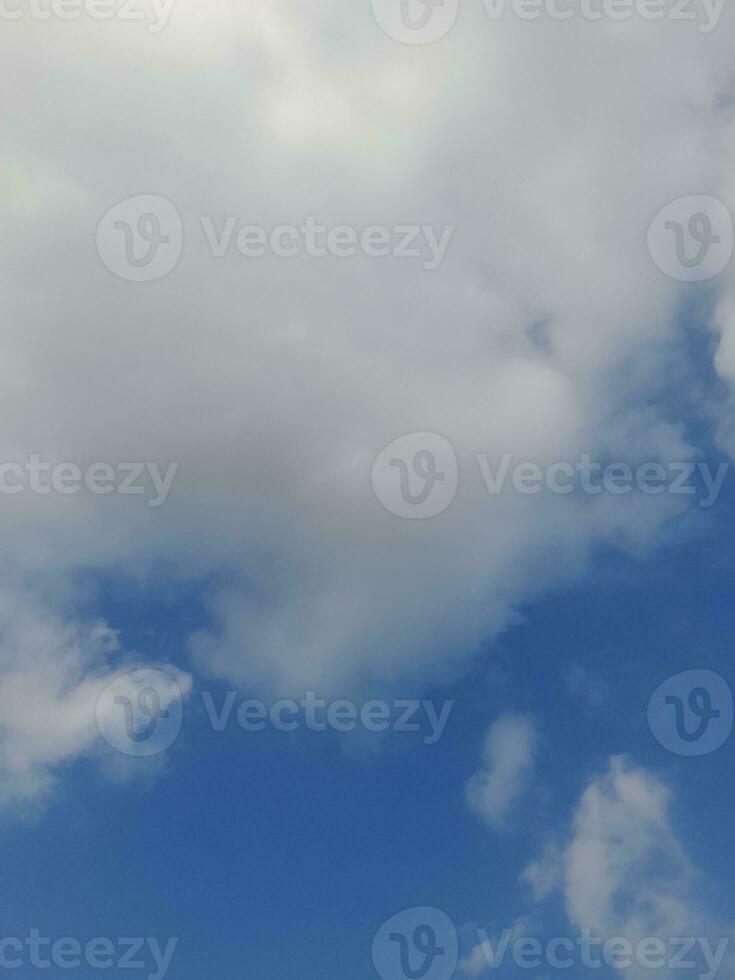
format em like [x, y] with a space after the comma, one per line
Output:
[381, 354]
[279, 854]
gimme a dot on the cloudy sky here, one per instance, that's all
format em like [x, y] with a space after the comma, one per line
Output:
[367, 392]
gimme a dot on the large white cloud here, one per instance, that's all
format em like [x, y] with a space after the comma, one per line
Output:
[275, 382]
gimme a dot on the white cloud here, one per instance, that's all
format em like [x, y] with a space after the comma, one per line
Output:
[623, 871]
[508, 759]
[53, 672]
[275, 383]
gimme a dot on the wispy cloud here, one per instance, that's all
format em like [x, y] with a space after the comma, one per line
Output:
[508, 758]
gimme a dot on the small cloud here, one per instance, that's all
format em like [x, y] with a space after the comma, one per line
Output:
[54, 670]
[508, 758]
[624, 872]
